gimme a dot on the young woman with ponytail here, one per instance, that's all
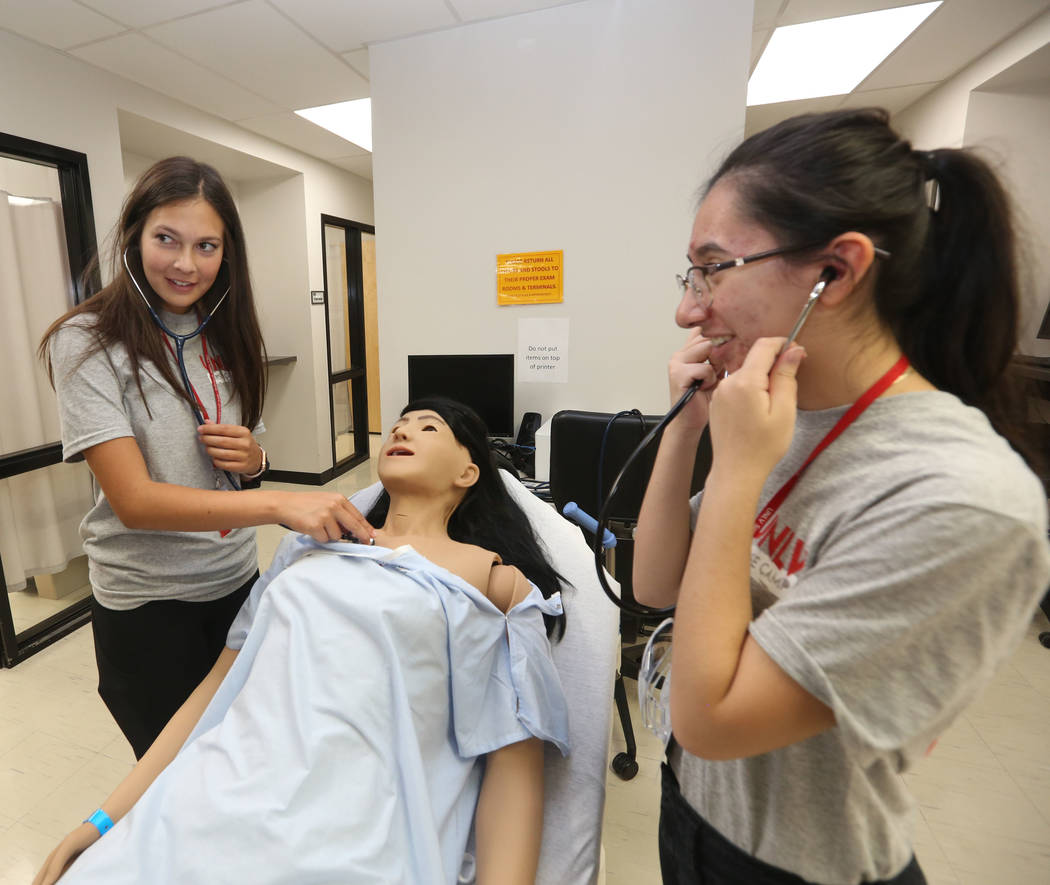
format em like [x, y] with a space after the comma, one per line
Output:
[871, 543]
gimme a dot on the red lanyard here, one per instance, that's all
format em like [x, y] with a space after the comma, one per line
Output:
[866, 399]
[206, 362]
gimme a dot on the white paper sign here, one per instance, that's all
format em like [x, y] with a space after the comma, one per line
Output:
[543, 351]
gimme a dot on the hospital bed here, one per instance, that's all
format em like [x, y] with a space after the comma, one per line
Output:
[586, 657]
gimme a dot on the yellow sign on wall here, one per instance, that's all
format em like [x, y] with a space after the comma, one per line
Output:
[529, 277]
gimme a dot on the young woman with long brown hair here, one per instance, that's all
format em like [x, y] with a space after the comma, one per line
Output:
[167, 429]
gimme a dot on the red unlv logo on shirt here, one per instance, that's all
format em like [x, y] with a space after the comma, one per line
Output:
[777, 555]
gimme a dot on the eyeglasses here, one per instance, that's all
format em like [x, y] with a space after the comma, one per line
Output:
[698, 277]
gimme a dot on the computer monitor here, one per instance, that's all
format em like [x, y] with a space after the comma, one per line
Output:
[485, 382]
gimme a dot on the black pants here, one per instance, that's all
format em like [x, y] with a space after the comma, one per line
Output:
[151, 658]
[692, 851]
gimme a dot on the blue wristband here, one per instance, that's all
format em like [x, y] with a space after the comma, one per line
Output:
[101, 821]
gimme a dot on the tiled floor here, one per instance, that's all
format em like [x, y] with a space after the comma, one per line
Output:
[984, 794]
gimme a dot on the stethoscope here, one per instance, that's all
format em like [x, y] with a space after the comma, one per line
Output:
[180, 343]
[654, 672]
[603, 538]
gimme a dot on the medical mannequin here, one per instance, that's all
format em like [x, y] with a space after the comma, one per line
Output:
[833, 619]
[441, 492]
[171, 552]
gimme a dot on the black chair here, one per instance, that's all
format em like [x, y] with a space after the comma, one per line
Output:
[587, 451]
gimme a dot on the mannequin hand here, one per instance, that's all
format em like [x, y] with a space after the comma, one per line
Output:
[753, 410]
[231, 447]
[686, 366]
[67, 851]
[324, 516]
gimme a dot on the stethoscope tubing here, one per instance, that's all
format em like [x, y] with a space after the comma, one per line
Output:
[633, 608]
[643, 610]
[180, 342]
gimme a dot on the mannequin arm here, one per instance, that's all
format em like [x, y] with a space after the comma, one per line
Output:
[509, 820]
[157, 758]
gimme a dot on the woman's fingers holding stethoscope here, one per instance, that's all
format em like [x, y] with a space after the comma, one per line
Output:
[754, 411]
[687, 367]
[697, 348]
[231, 447]
[226, 436]
[326, 516]
[354, 527]
[691, 364]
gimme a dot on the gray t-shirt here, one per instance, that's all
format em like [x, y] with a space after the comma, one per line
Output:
[98, 401]
[899, 573]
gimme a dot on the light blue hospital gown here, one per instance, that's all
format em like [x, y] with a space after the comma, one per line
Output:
[344, 745]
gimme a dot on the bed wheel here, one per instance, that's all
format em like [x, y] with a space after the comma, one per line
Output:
[1044, 638]
[624, 767]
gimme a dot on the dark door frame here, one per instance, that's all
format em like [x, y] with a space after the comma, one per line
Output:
[356, 373]
[79, 221]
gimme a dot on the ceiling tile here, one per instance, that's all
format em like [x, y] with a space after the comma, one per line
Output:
[257, 47]
[139, 14]
[58, 23]
[1031, 75]
[343, 26]
[799, 11]
[474, 10]
[759, 39]
[358, 165]
[140, 59]
[766, 12]
[894, 99]
[358, 60]
[154, 140]
[293, 130]
[763, 116]
[957, 33]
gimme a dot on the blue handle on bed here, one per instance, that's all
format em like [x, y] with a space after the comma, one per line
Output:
[571, 511]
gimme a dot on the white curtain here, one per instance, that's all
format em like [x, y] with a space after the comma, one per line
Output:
[39, 511]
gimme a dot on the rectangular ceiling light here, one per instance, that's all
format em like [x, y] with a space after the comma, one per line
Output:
[831, 56]
[351, 120]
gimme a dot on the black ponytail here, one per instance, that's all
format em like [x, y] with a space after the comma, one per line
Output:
[487, 516]
[949, 291]
[965, 335]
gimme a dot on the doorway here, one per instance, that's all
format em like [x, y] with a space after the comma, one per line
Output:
[348, 249]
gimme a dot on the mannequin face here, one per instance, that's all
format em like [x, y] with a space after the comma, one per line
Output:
[748, 302]
[422, 451]
[181, 247]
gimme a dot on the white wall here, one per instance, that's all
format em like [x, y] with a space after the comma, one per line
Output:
[134, 166]
[277, 241]
[22, 179]
[585, 128]
[1015, 131]
[938, 119]
[63, 101]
